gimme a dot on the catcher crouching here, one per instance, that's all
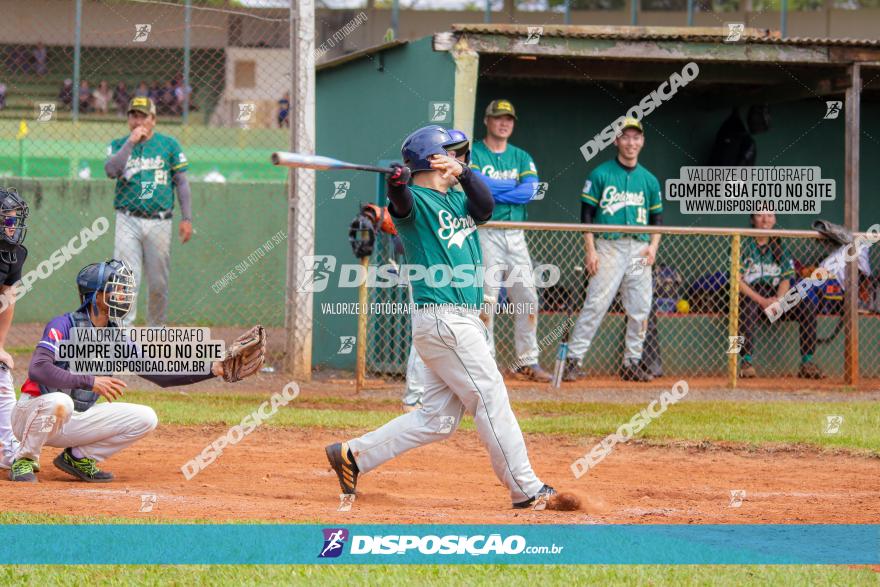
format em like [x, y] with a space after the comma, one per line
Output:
[57, 408]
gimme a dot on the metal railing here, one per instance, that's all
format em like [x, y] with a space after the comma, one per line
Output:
[695, 322]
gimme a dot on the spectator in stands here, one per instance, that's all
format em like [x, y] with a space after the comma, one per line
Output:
[65, 94]
[40, 59]
[181, 92]
[19, 60]
[155, 93]
[284, 110]
[766, 275]
[102, 97]
[167, 100]
[85, 97]
[121, 98]
[2, 95]
[142, 91]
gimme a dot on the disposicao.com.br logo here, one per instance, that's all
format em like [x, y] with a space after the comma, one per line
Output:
[477, 545]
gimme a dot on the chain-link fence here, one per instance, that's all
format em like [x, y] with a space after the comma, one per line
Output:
[209, 82]
[692, 329]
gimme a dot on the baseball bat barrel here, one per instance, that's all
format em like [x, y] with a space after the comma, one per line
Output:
[285, 159]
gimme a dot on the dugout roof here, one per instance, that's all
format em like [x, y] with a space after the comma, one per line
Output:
[763, 66]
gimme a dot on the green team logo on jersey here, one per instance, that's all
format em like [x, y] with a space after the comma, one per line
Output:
[490, 171]
[613, 201]
[454, 230]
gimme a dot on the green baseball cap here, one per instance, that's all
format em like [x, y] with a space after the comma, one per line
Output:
[501, 108]
[142, 104]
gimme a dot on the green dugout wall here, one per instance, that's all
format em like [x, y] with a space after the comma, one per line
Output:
[366, 106]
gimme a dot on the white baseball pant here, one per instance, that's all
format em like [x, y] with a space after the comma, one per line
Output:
[459, 378]
[415, 378]
[415, 368]
[508, 249]
[145, 244]
[7, 403]
[618, 269]
[98, 433]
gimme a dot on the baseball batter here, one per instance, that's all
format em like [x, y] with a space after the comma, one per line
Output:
[619, 192]
[58, 408]
[14, 212]
[512, 177]
[438, 226]
[415, 367]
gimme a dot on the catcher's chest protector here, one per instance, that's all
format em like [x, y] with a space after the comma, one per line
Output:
[83, 399]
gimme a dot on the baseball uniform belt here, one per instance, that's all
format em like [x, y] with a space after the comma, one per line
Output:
[448, 309]
[159, 215]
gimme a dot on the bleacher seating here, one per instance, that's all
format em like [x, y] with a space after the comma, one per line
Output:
[114, 64]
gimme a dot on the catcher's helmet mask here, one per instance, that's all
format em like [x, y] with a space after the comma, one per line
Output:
[420, 146]
[115, 279]
[10, 202]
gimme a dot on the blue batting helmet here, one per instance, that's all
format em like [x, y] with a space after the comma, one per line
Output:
[461, 144]
[114, 279]
[418, 147]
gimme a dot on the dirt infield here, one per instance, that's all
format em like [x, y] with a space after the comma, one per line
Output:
[282, 476]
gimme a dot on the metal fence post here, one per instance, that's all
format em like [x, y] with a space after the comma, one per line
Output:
[733, 323]
[77, 57]
[298, 309]
[187, 49]
[851, 221]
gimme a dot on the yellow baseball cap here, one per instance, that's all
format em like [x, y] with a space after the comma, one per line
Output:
[632, 123]
[501, 108]
[142, 104]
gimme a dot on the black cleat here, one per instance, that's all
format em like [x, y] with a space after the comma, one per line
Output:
[539, 501]
[84, 469]
[572, 371]
[635, 371]
[345, 468]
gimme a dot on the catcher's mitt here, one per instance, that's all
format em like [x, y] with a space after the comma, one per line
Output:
[246, 355]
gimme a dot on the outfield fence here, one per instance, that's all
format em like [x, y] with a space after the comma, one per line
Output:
[218, 73]
[695, 322]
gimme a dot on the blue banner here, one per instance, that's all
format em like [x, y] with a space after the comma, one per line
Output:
[441, 544]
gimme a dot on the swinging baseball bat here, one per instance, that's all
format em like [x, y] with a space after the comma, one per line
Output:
[285, 159]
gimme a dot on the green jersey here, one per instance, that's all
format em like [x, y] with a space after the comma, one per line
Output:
[440, 236]
[760, 265]
[512, 163]
[623, 196]
[147, 183]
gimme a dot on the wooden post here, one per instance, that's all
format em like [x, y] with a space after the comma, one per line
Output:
[361, 374]
[851, 221]
[733, 323]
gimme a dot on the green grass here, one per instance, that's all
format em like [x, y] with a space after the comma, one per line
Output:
[750, 423]
[406, 575]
